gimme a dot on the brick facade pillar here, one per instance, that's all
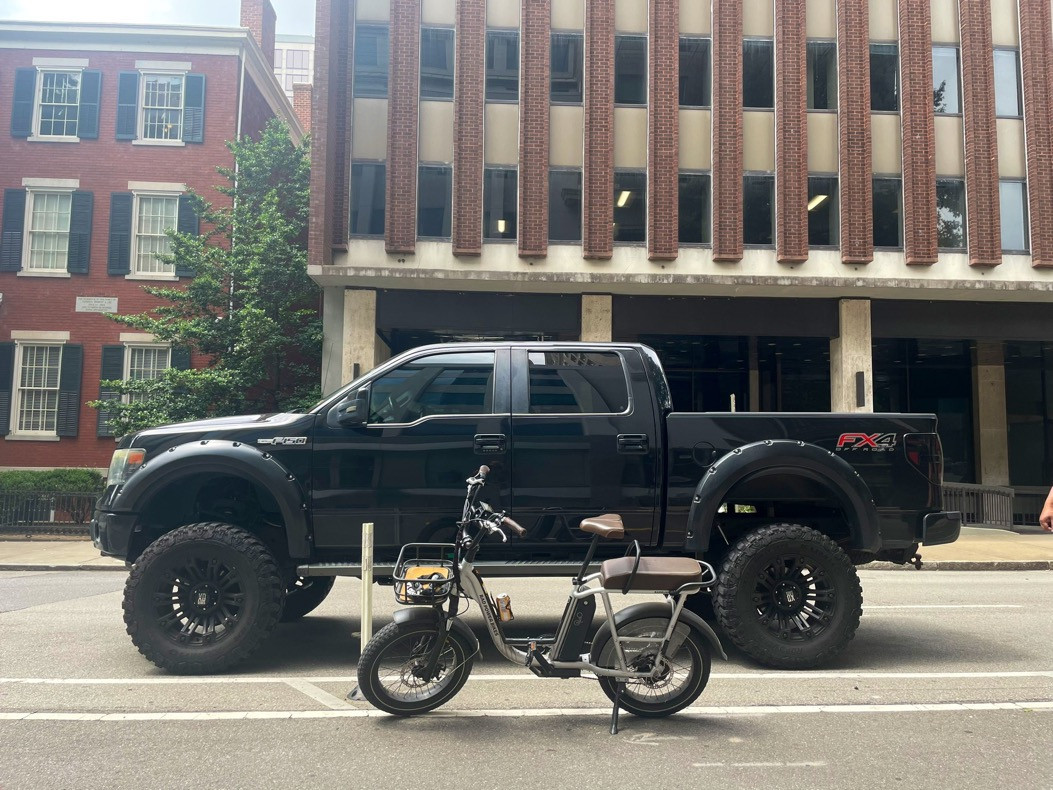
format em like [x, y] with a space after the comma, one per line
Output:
[920, 240]
[302, 104]
[535, 70]
[663, 132]
[727, 131]
[468, 128]
[598, 178]
[791, 133]
[981, 134]
[855, 163]
[1036, 60]
[403, 84]
[259, 17]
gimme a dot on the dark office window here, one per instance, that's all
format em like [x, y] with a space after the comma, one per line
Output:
[884, 77]
[568, 59]
[757, 216]
[1029, 414]
[946, 92]
[630, 70]
[630, 206]
[563, 382]
[758, 74]
[564, 205]
[950, 213]
[436, 63]
[695, 72]
[371, 61]
[367, 198]
[502, 65]
[499, 203]
[1013, 199]
[439, 384]
[694, 208]
[433, 201]
[824, 213]
[822, 75]
[1007, 83]
[793, 374]
[888, 212]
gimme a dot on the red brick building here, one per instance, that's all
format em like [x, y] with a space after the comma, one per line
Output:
[108, 127]
[824, 205]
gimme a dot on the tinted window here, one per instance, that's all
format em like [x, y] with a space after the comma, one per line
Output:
[888, 211]
[630, 70]
[367, 199]
[568, 58]
[433, 201]
[757, 218]
[758, 81]
[694, 72]
[630, 206]
[950, 213]
[1007, 82]
[946, 94]
[499, 203]
[565, 382]
[371, 61]
[823, 211]
[439, 384]
[822, 75]
[884, 77]
[564, 205]
[436, 63]
[1013, 196]
[502, 65]
[694, 208]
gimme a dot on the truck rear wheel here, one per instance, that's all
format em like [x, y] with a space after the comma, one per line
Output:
[202, 598]
[788, 596]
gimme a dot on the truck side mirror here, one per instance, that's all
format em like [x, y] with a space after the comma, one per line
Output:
[354, 409]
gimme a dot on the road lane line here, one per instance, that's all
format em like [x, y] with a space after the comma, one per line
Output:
[318, 695]
[944, 606]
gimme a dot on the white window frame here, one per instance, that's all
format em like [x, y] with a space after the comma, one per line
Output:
[27, 232]
[38, 103]
[134, 273]
[126, 373]
[16, 390]
[140, 115]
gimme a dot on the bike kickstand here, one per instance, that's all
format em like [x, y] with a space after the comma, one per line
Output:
[614, 713]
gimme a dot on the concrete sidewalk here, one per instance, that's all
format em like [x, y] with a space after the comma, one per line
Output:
[979, 548]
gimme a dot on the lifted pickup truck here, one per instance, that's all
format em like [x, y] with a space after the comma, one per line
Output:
[234, 524]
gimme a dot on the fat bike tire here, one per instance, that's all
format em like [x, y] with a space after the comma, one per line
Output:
[386, 670]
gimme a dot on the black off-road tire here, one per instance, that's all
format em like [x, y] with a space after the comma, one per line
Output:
[202, 598]
[304, 595]
[788, 596]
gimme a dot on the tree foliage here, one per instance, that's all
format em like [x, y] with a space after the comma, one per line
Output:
[250, 306]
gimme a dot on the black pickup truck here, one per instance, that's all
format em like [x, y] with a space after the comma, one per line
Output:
[234, 524]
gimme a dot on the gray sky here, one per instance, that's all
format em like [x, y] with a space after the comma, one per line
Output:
[294, 16]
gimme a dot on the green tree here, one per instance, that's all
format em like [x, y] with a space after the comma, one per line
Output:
[250, 307]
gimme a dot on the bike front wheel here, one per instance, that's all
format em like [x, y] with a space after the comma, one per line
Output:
[685, 672]
[390, 671]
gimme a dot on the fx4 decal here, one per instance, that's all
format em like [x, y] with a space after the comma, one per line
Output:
[871, 442]
[283, 440]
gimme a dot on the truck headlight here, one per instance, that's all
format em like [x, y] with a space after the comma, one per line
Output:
[123, 464]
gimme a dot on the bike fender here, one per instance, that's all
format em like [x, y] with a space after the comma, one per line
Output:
[425, 614]
[660, 609]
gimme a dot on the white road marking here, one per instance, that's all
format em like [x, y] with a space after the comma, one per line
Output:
[318, 695]
[816, 764]
[945, 606]
[749, 710]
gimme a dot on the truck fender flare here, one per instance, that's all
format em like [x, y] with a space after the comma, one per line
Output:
[783, 456]
[221, 457]
[660, 609]
[416, 614]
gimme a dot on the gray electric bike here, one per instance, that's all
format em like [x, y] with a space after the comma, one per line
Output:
[651, 659]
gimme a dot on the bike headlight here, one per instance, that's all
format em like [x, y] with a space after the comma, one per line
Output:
[124, 464]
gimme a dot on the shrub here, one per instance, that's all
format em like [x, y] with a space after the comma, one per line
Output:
[51, 481]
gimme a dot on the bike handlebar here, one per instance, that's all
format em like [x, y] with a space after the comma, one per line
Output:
[507, 522]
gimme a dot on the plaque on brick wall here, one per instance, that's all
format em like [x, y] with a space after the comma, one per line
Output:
[96, 304]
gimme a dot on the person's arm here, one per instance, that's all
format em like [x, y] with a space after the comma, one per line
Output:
[1046, 519]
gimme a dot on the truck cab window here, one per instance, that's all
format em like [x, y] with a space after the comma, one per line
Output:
[442, 384]
[568, 382]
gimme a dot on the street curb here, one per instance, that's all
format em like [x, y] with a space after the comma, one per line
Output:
[41, 567]
[965, 565]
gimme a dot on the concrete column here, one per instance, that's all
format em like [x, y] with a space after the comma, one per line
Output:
[596, 318]
[332, 339]
[362, 349]
[850, 355]
[990, 410]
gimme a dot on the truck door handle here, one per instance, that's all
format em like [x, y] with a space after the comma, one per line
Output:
[632, 443]
[488, 443]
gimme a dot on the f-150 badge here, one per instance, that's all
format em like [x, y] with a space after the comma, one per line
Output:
[874, 442]
[283, 441]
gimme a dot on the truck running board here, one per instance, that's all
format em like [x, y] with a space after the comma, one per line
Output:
[492, 568]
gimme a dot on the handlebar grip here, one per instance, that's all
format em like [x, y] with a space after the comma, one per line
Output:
[507, 522]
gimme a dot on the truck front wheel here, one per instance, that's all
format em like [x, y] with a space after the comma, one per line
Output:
[788, 596]
[202, 598]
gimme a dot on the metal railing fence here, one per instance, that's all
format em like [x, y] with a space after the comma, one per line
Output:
[41, 512]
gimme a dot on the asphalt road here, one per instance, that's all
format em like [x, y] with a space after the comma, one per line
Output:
[948, 683]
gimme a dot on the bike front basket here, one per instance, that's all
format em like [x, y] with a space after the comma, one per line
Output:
[424, 573]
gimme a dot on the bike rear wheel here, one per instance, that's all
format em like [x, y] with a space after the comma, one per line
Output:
[389, 671]
[684, 678]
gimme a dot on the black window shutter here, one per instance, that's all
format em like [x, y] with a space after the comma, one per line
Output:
[127, 104]
[69, 390]
[194, 108]
[80, 232]
[7, 383]
[181, 357]
[187, 222]
[119, 256]
[90, 91]
[112, 369]
[22, 108]
[12, 230]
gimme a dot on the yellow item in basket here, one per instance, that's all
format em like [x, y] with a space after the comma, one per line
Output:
[421, 582]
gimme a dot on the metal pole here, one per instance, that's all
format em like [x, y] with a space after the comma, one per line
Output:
[366, 630]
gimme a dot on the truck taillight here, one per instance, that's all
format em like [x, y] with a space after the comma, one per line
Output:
[925, 453]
